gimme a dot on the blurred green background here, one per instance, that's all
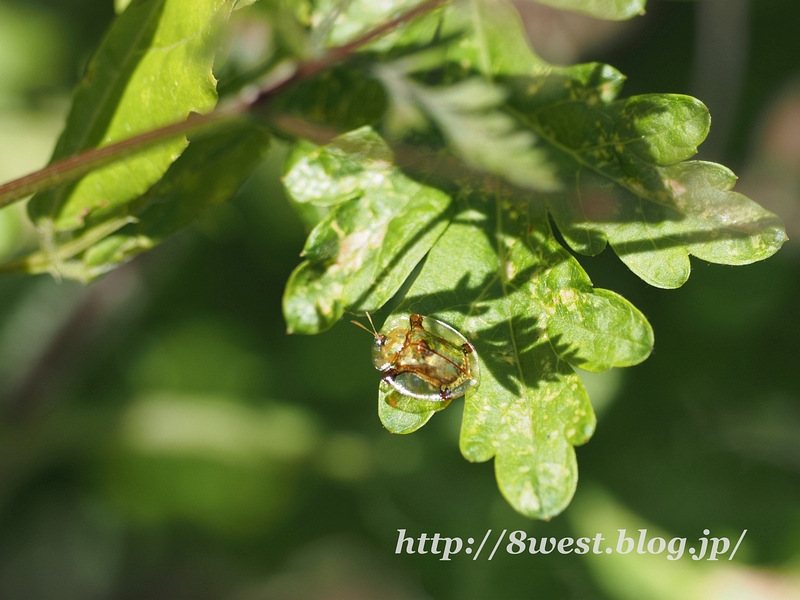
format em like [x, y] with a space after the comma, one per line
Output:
[162, 437]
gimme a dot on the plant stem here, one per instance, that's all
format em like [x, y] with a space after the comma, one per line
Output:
[77, 165]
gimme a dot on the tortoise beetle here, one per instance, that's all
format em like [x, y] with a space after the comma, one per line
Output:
[425, 359]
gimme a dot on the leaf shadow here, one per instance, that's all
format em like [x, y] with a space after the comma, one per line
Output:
[505, 360]
[514, 349]
[506, 348]
[742, 231]
[397, 257]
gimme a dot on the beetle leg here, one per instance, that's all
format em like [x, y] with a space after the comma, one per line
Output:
[416, 321]
[467, 348]
[445, 393]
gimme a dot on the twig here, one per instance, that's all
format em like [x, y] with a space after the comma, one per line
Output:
[422, 163]
[77, 165]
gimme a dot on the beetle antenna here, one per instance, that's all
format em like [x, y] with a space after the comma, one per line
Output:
[374, 331]
[369, 317]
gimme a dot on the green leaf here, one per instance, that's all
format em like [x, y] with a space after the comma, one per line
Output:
[343, 97]
[361, 252]
[468, 115]
[152, 69]
[208, 173]
[619, 161]
[626, 185]
[613, 10]
[403, 414]
[499, 276]
[339, 171]
[341, 21]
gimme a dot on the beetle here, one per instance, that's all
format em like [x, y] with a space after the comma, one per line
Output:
[424, 358]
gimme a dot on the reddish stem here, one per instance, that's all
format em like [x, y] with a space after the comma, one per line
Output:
[77, 165]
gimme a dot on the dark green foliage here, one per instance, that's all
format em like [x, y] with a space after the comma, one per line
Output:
[532, 139]
[455, 146]
[162, 437]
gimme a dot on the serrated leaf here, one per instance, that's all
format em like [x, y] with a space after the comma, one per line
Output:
[361, 252]
[627, 186]
[498, 275]
[208, 173]
[613, 10]
[153, 68]
[619, 161]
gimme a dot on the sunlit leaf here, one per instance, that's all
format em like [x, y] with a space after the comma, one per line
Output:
[152, 69]
[403, 414]
[499, 277]
[339, 171]
[497, 274]
[364, 249]
[618, 161]
[615, 10]
[208, 173]
[338, 22]
[627, 186]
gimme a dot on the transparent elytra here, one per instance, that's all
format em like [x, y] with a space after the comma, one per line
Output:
[424, 358]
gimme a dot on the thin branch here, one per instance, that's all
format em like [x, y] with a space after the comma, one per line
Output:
[77, 165]
[418, 161]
